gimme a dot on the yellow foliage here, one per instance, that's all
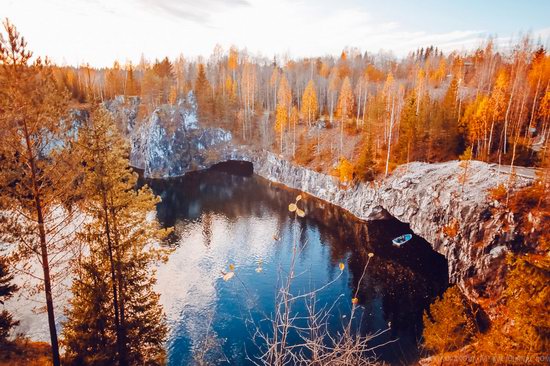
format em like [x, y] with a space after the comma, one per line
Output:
[448, 325]
[281, 119]
[346, 100]
[345, 170]
[309, 103]
[451, 229]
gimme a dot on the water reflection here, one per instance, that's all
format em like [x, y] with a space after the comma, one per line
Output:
[223, 219]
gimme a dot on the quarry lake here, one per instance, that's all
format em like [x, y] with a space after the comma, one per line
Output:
[224, 218]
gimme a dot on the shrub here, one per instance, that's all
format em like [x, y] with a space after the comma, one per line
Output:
[448, 325]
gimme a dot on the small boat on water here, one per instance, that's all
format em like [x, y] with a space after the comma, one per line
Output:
[401, 240]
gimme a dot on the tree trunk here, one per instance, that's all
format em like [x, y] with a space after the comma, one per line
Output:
[358, 106]
[120, 282]
[121, 347]
[389, 138]
[43, 250]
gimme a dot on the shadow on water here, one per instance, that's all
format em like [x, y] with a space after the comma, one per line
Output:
[227, 214]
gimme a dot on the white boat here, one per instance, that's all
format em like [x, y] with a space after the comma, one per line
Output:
[401, 240]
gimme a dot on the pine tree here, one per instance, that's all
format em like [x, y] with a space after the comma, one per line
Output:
[114, 306]
[408, 132]
[365, 169]
[447, 132]
[203, 93]
[132, 86]
[32, 180]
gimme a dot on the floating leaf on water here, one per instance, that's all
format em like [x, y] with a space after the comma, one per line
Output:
[342, 266]
[371, 255]
[300, 212]
[299, 197]
[228, 276]
[231, 267]
[292, 207]
[355, 301]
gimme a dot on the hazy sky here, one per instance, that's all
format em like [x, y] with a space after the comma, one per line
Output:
[99, 31]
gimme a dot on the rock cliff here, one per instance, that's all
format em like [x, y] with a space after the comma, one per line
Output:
[170, 141]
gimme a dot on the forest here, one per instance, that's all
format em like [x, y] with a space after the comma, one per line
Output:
[69, 206]
[428, 106]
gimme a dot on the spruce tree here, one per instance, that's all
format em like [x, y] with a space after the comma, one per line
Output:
[6, 291]
[203, 93]
[115, 309]
[408, 132]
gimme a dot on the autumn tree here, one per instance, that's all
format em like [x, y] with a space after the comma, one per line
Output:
[294, 118]
[203, 93]
[332, 90]
[114, 81]
[365, 168]
[309, 103]
[164, 71]
[132, 85]
[284, 105]
[408, 131]
[448, 325]
[248, 93]
[497, 105]
[233, 61]
[281, 119]
[115, 311]
[345, 170]
[33, 182]
[346, 102]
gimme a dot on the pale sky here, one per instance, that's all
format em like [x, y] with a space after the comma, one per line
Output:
[100, 31]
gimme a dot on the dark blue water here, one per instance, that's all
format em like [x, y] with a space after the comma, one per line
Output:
[222, 219]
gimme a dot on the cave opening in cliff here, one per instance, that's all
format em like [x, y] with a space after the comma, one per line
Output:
[417, 254]
[235, 167]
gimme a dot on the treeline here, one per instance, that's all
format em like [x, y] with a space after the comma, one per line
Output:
[70, 208]
[428, 106]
